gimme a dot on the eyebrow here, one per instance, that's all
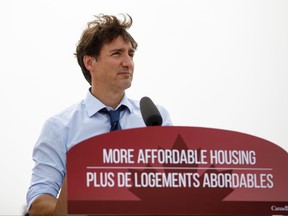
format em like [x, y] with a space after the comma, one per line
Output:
[122, 50]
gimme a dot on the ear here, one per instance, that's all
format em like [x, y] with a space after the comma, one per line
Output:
[88, 62]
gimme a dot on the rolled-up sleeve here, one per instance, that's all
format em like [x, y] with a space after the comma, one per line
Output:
[49, 155]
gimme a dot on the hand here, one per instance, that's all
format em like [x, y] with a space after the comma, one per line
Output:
[43, 205]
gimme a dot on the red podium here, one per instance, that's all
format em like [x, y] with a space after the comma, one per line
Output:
[175, 171]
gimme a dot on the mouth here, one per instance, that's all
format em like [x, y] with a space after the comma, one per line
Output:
[125, 74]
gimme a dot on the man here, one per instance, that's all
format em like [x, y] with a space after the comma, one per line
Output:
[105, 54]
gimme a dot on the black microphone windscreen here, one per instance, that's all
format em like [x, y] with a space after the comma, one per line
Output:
[150, 113]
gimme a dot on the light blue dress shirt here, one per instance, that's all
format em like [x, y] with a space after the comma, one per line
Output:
[64, 130]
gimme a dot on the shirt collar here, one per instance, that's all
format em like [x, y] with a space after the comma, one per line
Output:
[93, 105]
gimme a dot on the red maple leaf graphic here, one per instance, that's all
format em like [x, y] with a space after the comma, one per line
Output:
[183, 195]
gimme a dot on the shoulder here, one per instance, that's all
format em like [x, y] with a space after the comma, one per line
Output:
[135, 105]
[67, 115]
[165, 115]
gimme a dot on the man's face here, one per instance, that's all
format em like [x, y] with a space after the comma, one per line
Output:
[113, 69]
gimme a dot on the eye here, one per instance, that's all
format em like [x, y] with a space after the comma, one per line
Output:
[131, 54]
[116, 53]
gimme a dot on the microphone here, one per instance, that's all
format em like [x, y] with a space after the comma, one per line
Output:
[150, 113]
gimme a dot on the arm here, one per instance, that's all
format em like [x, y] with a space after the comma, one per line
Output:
[48, 173]
[43, 205]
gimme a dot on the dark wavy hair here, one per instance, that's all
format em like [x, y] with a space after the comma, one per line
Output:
[100, 31]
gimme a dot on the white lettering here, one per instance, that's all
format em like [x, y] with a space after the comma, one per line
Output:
[172, 156]
[235, 180]
[234, 157]
[102, 179]
[118, 156]
[168, 180]
[124, 179]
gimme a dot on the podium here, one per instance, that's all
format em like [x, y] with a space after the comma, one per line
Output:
[175, 171]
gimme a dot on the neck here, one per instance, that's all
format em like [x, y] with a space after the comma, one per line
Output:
[108, 98]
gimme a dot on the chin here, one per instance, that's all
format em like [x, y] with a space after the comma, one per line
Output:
[127, 85]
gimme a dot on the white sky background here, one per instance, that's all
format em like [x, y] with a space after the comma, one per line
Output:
[219, 64]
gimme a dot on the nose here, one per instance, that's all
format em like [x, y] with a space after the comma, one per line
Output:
[127, 61]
